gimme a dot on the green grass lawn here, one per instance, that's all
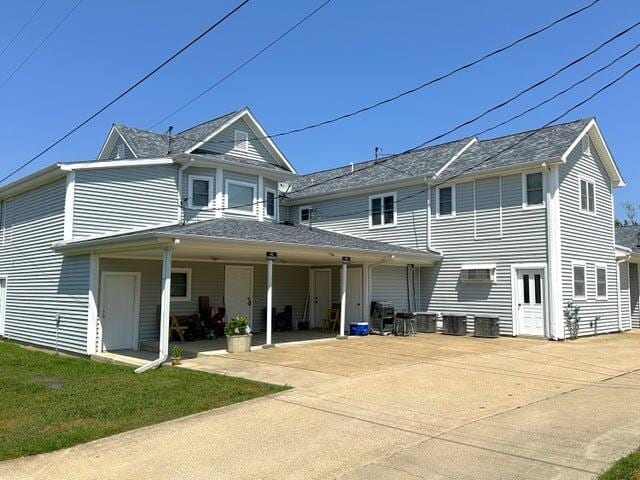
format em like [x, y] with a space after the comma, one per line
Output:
[49, 402]
[627, 468]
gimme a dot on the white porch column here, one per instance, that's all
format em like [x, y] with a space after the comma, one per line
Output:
[271, 256]
[343, 296]
[165, 305]
[92, 314]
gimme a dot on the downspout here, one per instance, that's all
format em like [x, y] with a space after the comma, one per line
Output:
[182, 168]
[619, 293]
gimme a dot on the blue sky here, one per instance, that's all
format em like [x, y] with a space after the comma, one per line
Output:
[352, 53]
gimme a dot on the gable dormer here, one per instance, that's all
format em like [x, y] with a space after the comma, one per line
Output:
[116, 146]
[240, 135]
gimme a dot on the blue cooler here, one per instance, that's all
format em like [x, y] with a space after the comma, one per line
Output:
[360, 328]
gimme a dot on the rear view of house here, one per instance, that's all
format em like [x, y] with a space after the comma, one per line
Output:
[97, 255]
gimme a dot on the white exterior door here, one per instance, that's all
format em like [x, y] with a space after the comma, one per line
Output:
[354, 295]
[321, 295]
[119, 310]
[238, 292]
[531, 302]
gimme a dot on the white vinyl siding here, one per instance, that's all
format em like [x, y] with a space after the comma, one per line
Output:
[588, 239]
[389, 284]
[42, 284]
[634, 293]
[111, 200]
[523, 240]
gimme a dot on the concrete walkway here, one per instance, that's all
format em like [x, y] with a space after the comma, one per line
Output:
[430, 407]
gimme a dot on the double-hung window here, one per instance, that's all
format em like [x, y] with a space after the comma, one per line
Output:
[180, 284]
[200, 191]
[270, 206]
[532, 191]
[601, 282]
[305, 214]
[579, 281]
[241, 197]
[382, 210]
[446, 201]
[587, 196]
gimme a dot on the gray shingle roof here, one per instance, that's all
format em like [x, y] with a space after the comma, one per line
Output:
[544, 144]
[627, 236]
[423, 162]
[147, 144]
[276, 233]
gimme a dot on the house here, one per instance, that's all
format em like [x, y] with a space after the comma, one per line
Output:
[96, 255]
[628, 245]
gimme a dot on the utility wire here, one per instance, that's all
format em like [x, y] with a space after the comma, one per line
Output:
[431, 81]
[510, 147]
[532, 133]
[33, 15]
[128, 90]
[242, 65]
[44, 40]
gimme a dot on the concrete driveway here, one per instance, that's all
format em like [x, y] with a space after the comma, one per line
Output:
[430, 407]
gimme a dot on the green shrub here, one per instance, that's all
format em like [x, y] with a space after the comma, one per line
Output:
[237, 326]
[176, 351]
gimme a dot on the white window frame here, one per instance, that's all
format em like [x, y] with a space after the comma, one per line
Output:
[210, 196]
[120, 151]
[588, 180]
[243, 141]
[602, 266]
[585, 144]
[525, 200]
[254, 209]
[573, 280]
[276, 204]
[492, 273]
[186, 298]
[382, 196]
[453, 201]
[304, 207]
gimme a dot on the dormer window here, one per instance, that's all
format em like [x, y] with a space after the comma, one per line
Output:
[120, 150]
[241, 140]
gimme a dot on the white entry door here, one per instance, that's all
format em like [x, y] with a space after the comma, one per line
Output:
[119, 302]
[531, 302]
[321, 295]
[238, 292]
[354, 296]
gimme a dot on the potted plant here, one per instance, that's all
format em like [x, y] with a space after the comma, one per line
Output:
[572, 319]
[238, 335]
[176, 355]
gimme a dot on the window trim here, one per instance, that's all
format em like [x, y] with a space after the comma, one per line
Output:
[602, 266]
[453, 201]
[489, 266]
[210, 195]
[254, 187]
[525, 203]
[382, 196]
[588, 180]
[245, 141]
[186, 298]
[300, 209]
[276, 204]
[573, 279]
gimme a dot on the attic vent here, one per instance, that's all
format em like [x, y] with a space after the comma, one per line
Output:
[586, 145]
[120, 150]
[241, 140]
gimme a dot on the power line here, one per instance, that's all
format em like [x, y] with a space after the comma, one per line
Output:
[431, 81]
[128, 90]
[33, 15]
[44, 40]
[242, 65]
[510, 147]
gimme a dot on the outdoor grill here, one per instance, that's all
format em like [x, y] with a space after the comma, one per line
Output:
[382, 317]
